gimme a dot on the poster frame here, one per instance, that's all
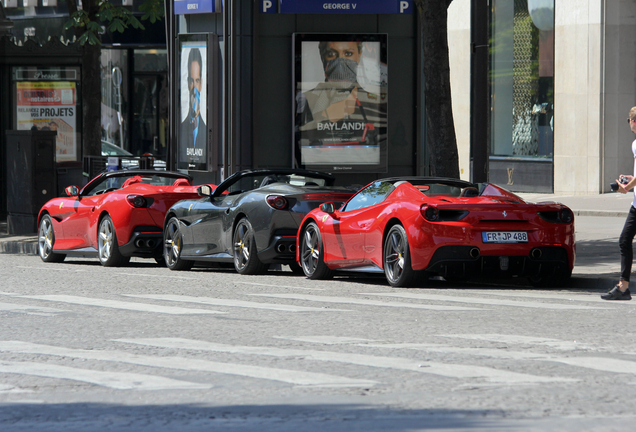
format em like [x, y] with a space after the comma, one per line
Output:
[47, 78]
[336, 164]
[210, 94]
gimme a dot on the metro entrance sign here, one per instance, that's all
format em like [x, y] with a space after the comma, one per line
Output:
[326, 6]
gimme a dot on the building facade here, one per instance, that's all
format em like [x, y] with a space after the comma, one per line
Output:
[582, 66]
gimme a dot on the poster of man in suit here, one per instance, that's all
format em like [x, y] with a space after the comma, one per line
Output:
[193, 133]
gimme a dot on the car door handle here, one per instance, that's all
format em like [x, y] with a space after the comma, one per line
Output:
[92, 209]
[227, 211]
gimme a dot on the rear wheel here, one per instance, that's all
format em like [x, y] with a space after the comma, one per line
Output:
[109, 254]
[172, 245]
[397, 258]
[312, 253]
[246, 259]
[46, 240]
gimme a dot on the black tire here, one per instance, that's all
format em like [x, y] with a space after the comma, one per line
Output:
[46, 240]
[246, 260]
[312, 253]
[559, 279]
[108, 249]
[161, 261]
[172, 246]
[397, 258]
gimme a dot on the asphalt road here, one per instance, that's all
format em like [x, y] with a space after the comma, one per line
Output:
[142, 348]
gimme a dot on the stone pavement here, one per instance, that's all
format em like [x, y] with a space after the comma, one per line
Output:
[599, 222]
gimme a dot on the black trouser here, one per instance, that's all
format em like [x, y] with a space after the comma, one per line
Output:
[625, 243]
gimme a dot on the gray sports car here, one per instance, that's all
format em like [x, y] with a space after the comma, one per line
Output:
[250, 219]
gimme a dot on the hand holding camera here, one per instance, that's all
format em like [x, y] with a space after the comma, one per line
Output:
[622, 180]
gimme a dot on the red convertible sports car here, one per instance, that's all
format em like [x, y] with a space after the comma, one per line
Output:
[407, 226]
[117, 215]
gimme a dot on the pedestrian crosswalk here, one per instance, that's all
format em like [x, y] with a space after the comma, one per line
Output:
[308, 360]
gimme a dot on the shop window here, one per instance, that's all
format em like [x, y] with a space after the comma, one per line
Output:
[522, 79]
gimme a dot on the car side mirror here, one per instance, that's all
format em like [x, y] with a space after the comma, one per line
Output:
[204, 190]
[72, 191]
[327, 207]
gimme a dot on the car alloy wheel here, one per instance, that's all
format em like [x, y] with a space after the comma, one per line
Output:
[172, 246]
[108, 248]
[397, 259]
[46, 240]
[246, 260]
[312, 253]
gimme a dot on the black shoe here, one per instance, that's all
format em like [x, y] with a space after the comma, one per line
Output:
[617, 294]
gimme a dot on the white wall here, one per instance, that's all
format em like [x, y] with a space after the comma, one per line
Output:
[459, 53]
[595, 86]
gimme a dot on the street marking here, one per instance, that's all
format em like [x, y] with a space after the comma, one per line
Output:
[582, 297]
[115, 380]
[597, 363]
[348, 300]
[67, 269]
[516, 339]
[232, 303]
[114, 304]
[476, 300]
[30, 310]
[300, 378]
[427, 367]
[279, 286]
[327, 340]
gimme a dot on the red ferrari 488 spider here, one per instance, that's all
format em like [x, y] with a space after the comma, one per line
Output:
[439, 227]
[117, 215]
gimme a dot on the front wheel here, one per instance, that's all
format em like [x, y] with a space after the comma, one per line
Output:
[46, 240]
[312, 253]
[172, 245]
[246, 259]
[109, 254]
[397, 258]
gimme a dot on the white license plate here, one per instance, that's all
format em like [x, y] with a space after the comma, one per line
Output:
[505, 237]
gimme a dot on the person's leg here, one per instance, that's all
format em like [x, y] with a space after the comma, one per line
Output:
[626, 246]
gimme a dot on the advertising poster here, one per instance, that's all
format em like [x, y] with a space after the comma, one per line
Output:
[341, 97]
[193, 132]
[49, 106]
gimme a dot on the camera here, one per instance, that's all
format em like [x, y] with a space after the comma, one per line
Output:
[622, 180]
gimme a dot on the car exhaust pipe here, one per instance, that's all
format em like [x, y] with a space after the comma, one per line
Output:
[139, 243]
[280, 248]
[292, 248]
[474, 253]
[536, 253]
[151, 243]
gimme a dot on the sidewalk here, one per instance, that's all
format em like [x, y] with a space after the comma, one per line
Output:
[597, 262]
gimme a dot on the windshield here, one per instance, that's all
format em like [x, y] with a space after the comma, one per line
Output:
[258, 179]
[114, 183]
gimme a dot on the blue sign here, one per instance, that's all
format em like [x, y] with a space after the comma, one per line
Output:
[183, 7]
[268, 6]
[350, 6]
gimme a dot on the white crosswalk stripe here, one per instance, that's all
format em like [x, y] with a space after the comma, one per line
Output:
[232, 303]
[427, 367]
[294, 377]
[115, 380]
[28, 309]
[483, 301]
[364, 302]
[115, 304]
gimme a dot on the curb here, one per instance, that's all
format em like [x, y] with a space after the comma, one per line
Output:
[606, 213]
[24, 247]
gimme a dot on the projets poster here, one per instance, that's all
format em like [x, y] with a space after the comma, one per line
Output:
[49, 106]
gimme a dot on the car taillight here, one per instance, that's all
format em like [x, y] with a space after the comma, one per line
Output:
[430, 213]
[136, 201]
[277, 202]
[566, 216]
